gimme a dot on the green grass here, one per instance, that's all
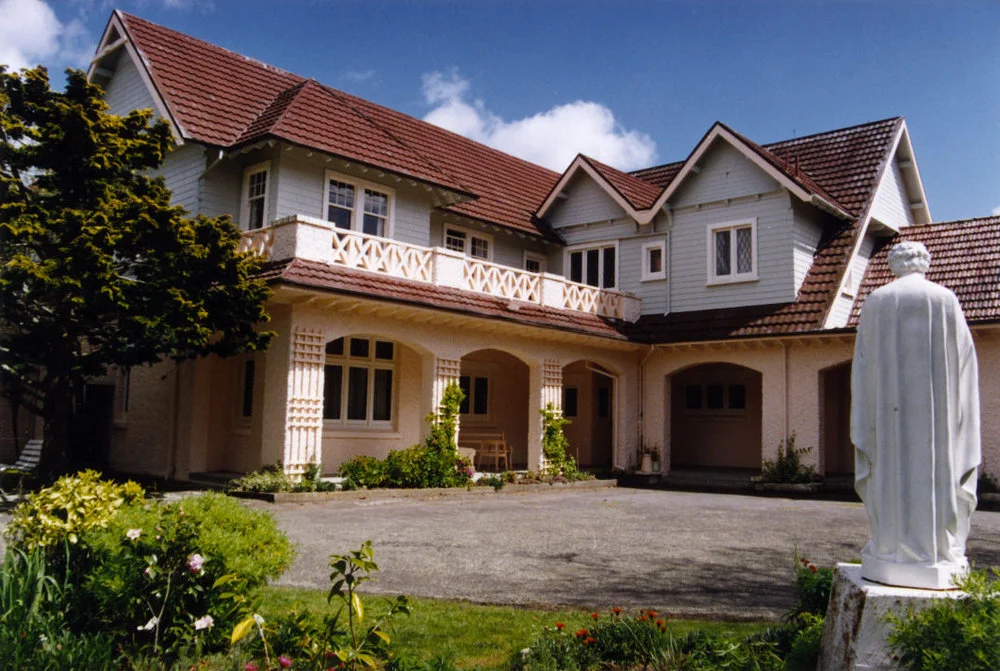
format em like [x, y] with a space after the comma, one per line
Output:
[476, 636]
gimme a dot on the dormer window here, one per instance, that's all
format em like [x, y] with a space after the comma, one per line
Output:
[732, 252]
[254, 211]
[343, 197]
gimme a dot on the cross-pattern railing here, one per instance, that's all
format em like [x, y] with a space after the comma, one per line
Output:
[317, 240]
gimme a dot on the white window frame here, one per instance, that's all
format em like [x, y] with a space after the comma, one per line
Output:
[734, 276]
[539, 258]
[600, 246]
[371, 364]
[647, 273]
[467, 246]
[265, 167]
[358, 213]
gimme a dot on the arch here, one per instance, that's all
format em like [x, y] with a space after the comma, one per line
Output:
[736, 360]
[716, 416]
[590, 397]
[521, 357]
[496, 383]
[415, 345]
[836, 450]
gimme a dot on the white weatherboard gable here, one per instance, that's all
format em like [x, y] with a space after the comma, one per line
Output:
[586, 202]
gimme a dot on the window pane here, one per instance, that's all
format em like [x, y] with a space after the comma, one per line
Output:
[713, 396]
[376, 203]
[465, 382]
[339, 217]
[576, 267]
[373, 225]
[248, 375]
[593, 267]
[454, 240]
[341, 194]
[744, 250]
[480, 248]
[655, 260]
[609, 268]
[357, 393]
[570, 400]
[722, 253]
[256, 213]
[335, 347]
[692, 397]
[382, 401]
[533, 265]
[331, 391]
[481, 395]
[257, 184]
[383, 350]
[359, 347]
[737, 397]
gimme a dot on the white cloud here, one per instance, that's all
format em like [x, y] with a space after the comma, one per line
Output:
[31, 33]
[996, 211]
[551, 138]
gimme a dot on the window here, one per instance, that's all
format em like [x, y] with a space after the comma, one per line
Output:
[357, 387]
[595, 266]
[732, 249]
[571, 401]
[254, 211]
[715, 397]
[464, 241]
[534, 263]
[654, 260]
[477, 395]
[246, 407]
[342, 200]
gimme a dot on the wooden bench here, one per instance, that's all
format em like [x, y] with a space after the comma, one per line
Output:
[26, 464]
[489, 446]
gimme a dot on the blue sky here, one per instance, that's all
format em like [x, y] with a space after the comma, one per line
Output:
[633, 83]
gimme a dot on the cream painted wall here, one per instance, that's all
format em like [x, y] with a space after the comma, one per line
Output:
[143, 437]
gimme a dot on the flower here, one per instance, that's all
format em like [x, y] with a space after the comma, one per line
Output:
[812, 567]
[249, 666]
[285, 661]
[195, 562]
[580, 633]
[153, 621]
[203, 623]
[595, 615]
[560, 625]
[133, 534]
[525, 652]
[616, 610]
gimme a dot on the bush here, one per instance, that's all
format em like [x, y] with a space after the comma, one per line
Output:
[271, 479]
[72, 505]
[362, 471]
[812, 589]
[787, 467]
[165, 578]
[555, 447]
[953, 634]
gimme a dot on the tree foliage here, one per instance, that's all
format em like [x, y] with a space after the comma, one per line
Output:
[96, 267]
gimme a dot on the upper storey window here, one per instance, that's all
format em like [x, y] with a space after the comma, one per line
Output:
[358, 206]
[472, 243]
[732, 252]
[596, 266]
[254, 210]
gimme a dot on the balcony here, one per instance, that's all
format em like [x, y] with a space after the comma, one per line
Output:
[312, 239]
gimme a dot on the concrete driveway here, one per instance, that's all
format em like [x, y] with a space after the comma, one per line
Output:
[689, 554]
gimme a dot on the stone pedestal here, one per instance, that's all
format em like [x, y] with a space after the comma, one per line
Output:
[855, 631]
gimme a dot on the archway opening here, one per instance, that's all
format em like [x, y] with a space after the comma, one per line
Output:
[589, 404]
[495, 408]
[835, 420]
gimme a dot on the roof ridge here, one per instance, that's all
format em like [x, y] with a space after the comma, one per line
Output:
[282, 100]
[834, 131]
[972, 221]
[274, 68]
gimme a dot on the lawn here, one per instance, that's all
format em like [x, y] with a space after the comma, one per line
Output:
[476, 636]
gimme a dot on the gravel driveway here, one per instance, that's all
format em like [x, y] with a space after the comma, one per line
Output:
[683, 553]
[708, 555]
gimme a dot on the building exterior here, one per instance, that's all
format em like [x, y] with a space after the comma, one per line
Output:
[703, 309]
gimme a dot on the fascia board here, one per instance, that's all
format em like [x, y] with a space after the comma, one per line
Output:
[579, 163]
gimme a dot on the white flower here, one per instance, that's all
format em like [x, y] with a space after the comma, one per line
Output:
[133, 534]
[203, 623]
[194, 563]
[525, 652]
[153, 621]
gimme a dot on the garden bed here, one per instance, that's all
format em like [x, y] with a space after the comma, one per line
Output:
[363, 494]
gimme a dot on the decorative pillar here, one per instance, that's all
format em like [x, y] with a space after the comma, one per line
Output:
[446, 371]
[552, 383]
[545, 387]
[304, 412]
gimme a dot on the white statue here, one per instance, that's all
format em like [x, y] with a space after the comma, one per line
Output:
[915, 427]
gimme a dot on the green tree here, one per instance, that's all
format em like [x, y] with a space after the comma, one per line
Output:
[97, 269]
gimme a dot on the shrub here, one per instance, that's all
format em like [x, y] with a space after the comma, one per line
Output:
[163, 578]
[787, 466]
[555, 446]
[271, 478]
[72, 505]
[363, 471]
[812, 589]
[953, 634]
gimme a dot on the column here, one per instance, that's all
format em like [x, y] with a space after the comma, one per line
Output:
[544, 387]
[304, 412]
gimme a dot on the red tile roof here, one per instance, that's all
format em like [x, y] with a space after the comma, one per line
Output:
[965, 257]
[372, 285]
[639, 194]
[224, 99]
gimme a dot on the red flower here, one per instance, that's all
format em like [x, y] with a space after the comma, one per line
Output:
[812, 567]
[580, 633]
[589, 640]
[560, 625]
[616, 611]
[651, 613]
[595, 615]
[805, 562]
[659, 623]
[286, 662]
[249, 666]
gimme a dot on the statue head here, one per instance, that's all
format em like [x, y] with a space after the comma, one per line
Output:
[909, 257]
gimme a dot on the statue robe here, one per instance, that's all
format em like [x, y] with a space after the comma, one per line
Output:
[915, 423]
